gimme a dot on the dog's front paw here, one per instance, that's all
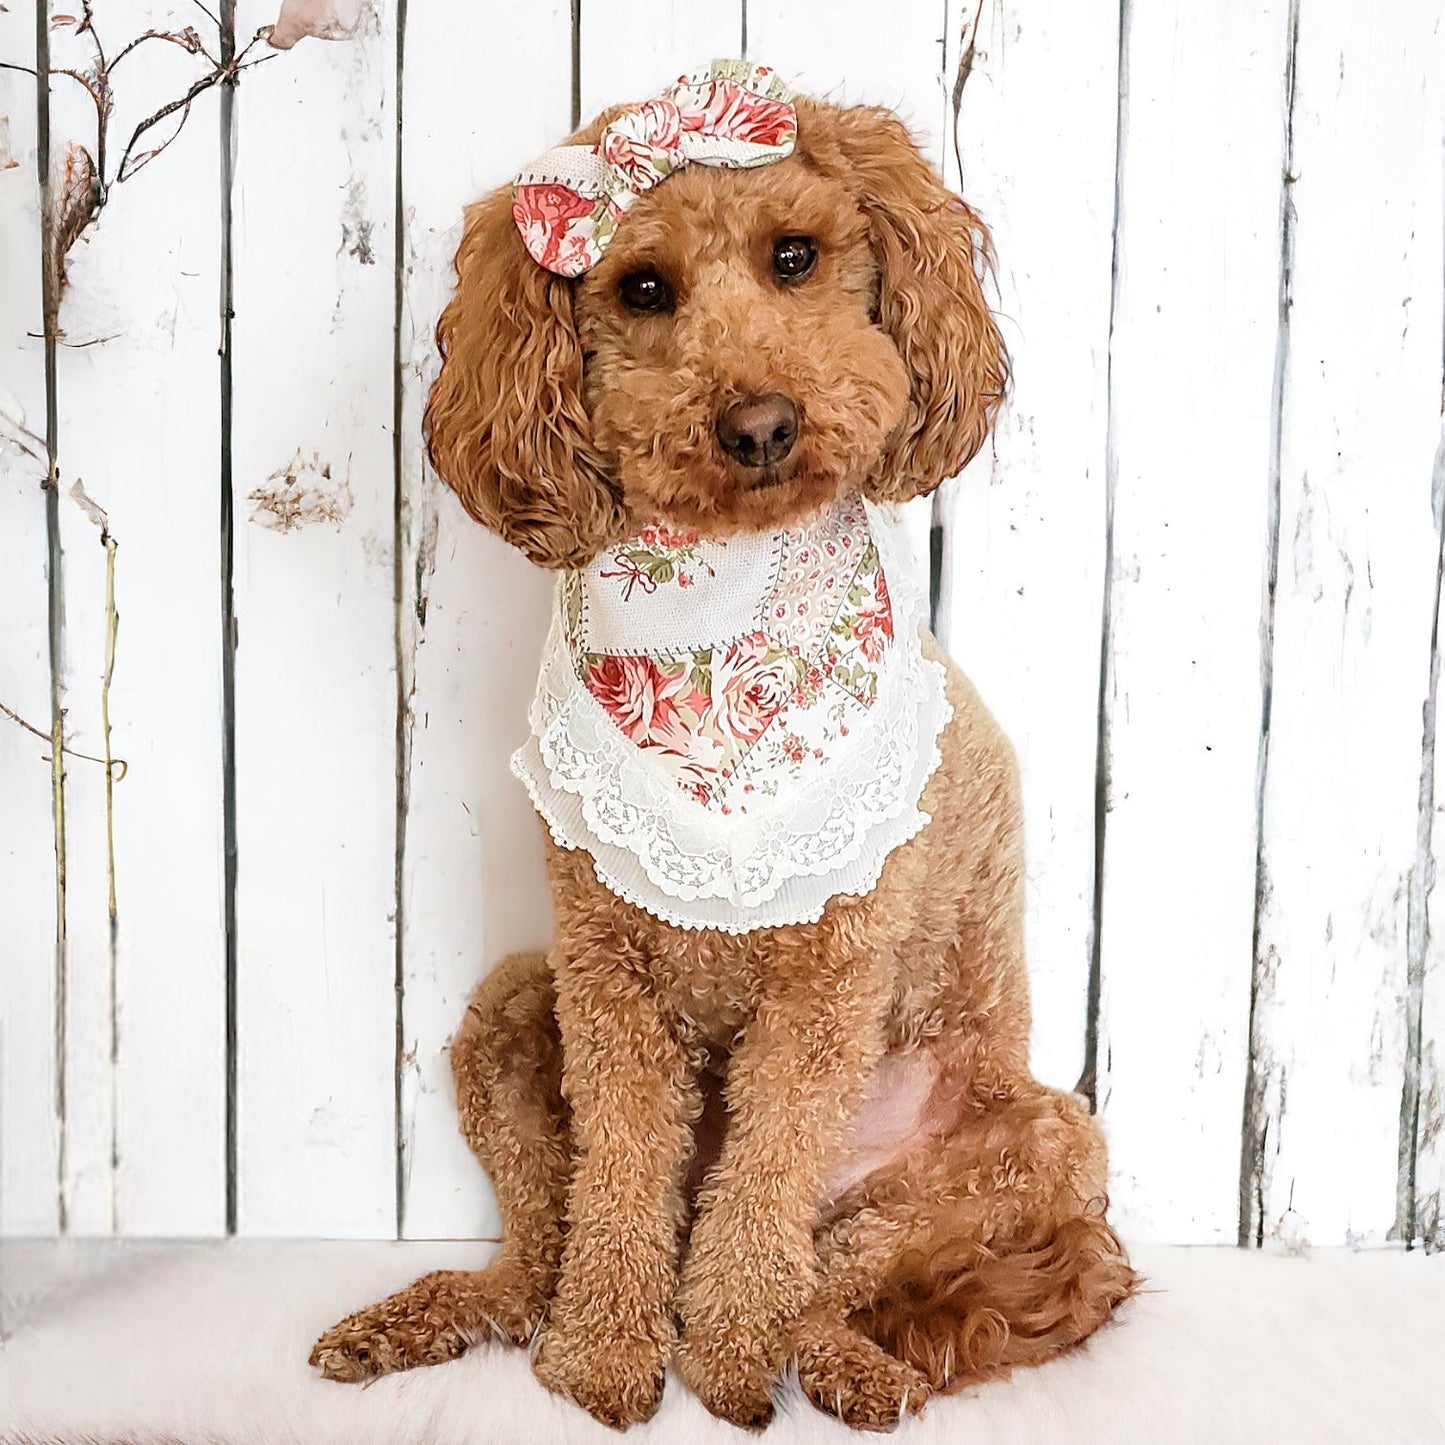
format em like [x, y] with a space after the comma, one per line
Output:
[738, 1305]
[734, 1381]
[617, 1382]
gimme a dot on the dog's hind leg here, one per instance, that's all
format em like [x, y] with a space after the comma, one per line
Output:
[985, 1250]
[507, 1062]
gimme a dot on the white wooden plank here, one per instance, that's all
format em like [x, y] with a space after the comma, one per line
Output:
[865, 55]
[1422, 1133]
[1024, 527]
[889, 55]
[1427, 1178]
[630, 49]
[311, 442]
[86, 998]
[1357, 569]
[138, 433]
[474, 611]
[1192, 368]
[29, 1123]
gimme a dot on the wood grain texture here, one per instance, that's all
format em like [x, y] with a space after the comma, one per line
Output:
[1421, 1182]
[1358, 562]
[474, 611]
[312, 468]
[29, 1113]
[1024, 526]
[631, 49]
[138, 431]
[1191, 373]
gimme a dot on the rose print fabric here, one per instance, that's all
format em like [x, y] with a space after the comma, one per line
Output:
[728, 720]
[568, 203]
[737, 728]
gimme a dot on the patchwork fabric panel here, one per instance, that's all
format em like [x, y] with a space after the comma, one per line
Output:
[735, 665]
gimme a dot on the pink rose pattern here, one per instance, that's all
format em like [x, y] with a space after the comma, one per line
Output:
[566, 230]
[725, 108]
[778, 697]
[641, 143]
[558, 226]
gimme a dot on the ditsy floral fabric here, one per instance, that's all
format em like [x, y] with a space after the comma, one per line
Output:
[568, 203]
[731, 718]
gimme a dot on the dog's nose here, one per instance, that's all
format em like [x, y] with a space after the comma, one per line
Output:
[758, 430]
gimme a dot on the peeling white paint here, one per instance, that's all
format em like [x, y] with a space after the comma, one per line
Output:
[300, 494]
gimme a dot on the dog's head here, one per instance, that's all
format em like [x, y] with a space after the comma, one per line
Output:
[752, 344]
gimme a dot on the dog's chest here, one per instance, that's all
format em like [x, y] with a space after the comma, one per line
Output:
[738, 730]
[711, 983]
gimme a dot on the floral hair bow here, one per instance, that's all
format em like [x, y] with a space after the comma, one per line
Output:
[567, 204]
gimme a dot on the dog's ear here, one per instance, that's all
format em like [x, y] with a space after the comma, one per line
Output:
[931, 250]
[505, 425]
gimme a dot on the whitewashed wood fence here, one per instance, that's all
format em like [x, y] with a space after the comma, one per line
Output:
[1197, 577]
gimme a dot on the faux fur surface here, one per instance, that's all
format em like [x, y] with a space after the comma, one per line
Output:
[207, 1343]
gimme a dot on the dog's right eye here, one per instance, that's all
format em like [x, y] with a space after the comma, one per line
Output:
[645, 291]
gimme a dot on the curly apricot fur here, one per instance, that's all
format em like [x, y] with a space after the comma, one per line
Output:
[661, 1111]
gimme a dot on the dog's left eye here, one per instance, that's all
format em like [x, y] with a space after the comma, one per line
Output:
[644, 291]
[793, 257]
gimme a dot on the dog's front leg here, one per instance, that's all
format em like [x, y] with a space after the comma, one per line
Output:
[793, 1085]
[632, 1093]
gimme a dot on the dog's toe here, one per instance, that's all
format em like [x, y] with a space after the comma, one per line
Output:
[848, 1376]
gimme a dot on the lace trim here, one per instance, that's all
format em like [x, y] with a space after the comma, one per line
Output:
[787, 856]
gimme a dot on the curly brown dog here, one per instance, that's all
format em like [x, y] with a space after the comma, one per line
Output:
[817, 1144]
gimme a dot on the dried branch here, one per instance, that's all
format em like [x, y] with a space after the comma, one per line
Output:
[82, 193]
[188, 40]
[221, 74]
[118, 766]
[965, 69]
[112, 625]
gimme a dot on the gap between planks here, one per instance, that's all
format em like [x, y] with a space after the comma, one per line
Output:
[399, 635]
[1254, 1125]
[1088, 1084]
[227, 107]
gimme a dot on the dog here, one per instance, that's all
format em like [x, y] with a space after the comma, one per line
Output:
[713, 339]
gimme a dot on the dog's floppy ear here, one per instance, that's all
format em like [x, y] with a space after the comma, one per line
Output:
[505, 425]
[930, 248]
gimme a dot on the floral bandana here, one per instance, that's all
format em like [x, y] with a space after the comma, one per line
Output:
[737, 730]
[567, 204]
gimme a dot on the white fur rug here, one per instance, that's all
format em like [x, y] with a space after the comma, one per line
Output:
[194, 1344]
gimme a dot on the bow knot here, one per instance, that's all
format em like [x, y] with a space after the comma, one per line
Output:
[568, 204]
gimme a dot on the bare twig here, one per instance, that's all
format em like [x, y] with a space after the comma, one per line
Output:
[182, 103]
[965, 69]
[87, 27]
[118, 766]
[82, 196]
[187, 39]
[112, 624]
